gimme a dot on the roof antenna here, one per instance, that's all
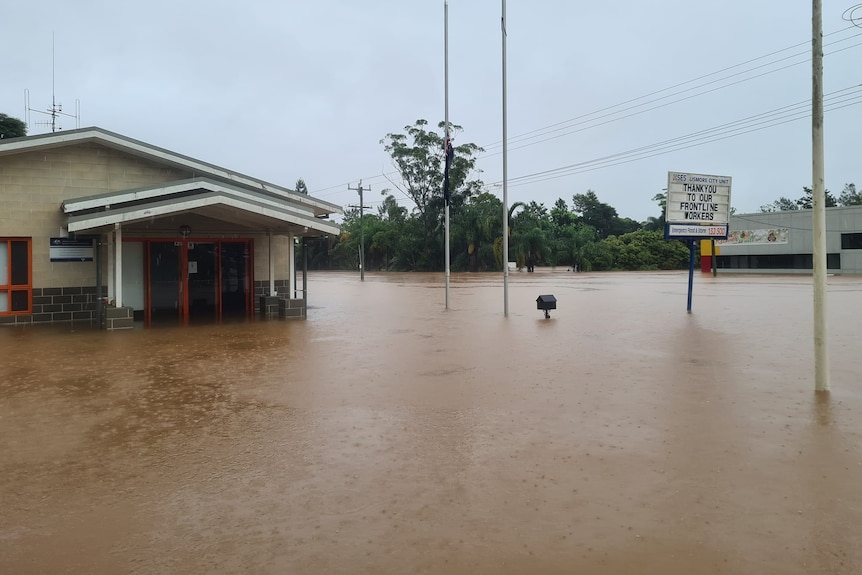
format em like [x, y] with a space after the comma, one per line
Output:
[56, 110]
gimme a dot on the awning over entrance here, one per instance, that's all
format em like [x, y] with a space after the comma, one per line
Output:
[233, 205]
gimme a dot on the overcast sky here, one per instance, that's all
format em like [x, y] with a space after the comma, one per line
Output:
[281, 89]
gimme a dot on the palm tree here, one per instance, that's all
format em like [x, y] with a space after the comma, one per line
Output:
[527, 239]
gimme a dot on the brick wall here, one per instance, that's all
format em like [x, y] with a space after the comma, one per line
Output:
[58, 305]
[33, 186]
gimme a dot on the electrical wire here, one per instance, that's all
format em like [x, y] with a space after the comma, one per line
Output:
[715, 89]
[853, 15]
[565, 124]
[783, 115]
[514, 139]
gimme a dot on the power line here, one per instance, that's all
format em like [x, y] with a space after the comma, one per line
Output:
[665, 151]
[632, 100]
[699, 138]
[749, 119]
[853, 15]
[661, 105]
[524, 137]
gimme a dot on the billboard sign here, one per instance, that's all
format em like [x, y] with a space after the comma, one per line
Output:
[698, 205]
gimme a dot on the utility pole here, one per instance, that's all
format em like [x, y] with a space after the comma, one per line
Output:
[362, 207]
[505, 174]
[818, 213]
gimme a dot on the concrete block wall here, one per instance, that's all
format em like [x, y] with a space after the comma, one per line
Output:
[280, 306]
[55, 304]
[119, 318]
[33, 185]
[282, 288]
[291, 308]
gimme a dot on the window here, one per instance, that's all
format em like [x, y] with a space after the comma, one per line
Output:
[776, 262]
[851, 241]
[15, 275]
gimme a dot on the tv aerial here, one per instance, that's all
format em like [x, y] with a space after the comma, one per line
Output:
[56, 110]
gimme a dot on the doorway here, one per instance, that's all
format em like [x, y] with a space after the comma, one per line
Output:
[198, 281]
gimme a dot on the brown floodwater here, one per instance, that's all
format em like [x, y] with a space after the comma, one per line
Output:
[385, 434]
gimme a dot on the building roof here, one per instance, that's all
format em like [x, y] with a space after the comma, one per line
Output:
[214, 191]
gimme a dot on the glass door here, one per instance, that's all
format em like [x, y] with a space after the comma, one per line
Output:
[235, 283]
[191, 281]
[202, 279]
[165, 285]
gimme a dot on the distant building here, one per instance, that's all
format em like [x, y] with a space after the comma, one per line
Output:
[781, 242]
[170, 239]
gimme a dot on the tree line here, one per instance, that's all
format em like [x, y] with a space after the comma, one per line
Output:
[584, 234]
[848, 197]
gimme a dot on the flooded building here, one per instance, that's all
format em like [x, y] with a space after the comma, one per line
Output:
[170, 239]
[782, 242]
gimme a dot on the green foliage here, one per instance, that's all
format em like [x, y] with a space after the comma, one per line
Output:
[657, 223]
[12, 127]
[601, 216]
[589, 235]
[418, 155]
[807, 201]
[475, 228]
[850, 197]
[782, 204]
[646, 250]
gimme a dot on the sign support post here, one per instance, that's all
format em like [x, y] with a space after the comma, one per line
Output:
[690, 273]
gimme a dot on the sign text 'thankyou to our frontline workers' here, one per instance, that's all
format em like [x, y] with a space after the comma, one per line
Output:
[699, 200]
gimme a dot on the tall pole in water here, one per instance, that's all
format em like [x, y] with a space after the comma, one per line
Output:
[362, 207]
[446, 122]
[821, 350]
[505, 177]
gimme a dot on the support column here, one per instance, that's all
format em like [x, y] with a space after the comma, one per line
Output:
[110, 242]
[291, 267]
[271, 268]
[118, 265]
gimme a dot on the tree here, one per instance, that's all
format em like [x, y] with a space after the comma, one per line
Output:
[806, 202]
[418, 157]
[300, 187]
[594, 213]
[850, 197]
[657, 223]
[560, 214]
[528, 238]
[475, 229]
[782, 204]
[12, 127]
[646, 250]
[389, 210]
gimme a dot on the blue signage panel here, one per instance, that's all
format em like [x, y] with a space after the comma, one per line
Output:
[69, 250]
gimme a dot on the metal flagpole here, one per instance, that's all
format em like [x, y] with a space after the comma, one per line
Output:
[505, 179]
[446, 122]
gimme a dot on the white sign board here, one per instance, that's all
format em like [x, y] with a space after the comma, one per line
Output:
[698, 200]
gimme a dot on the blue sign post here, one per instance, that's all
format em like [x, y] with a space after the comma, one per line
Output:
[690, 273]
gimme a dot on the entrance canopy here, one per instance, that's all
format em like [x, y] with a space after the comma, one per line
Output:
[234, 206]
